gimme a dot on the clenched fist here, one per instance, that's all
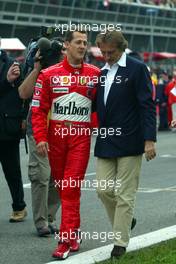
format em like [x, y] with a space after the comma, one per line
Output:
[150, 151]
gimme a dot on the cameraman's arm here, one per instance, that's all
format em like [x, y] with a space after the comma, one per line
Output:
[27, 87]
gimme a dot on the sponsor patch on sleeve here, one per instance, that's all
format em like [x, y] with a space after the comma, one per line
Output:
[35, 103]
[37, 93]
[38, 85]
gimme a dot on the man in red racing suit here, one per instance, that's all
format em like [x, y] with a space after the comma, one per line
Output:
[66, 90]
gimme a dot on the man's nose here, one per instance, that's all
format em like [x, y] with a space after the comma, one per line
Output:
[82, 45]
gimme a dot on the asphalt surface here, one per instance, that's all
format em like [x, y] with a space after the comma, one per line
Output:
[155, 208]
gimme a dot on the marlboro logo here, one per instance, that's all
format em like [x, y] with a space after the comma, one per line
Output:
[70, 109]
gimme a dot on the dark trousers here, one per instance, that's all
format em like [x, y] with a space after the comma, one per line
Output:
[163, 118]
[10, 161]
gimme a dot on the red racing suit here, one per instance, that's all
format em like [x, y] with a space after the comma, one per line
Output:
[67, 93]
[171, 98]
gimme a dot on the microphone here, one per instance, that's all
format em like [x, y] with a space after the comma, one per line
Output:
[49, 52]
[43, 44]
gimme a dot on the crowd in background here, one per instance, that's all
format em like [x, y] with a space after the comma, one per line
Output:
[164, 83]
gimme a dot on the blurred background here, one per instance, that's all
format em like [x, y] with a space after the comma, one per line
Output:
[149, 25]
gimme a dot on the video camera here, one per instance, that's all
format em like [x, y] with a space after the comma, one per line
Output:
[50, 50]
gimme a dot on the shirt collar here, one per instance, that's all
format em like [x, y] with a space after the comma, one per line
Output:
[121, 62]
[70, 68]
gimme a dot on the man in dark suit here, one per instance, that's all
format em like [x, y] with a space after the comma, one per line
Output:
[126, 112]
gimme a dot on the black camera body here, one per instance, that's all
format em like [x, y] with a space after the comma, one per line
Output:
[50, 50]
[49, 55]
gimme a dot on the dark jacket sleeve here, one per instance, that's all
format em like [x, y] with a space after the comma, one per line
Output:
[5, 87]
[144, 89]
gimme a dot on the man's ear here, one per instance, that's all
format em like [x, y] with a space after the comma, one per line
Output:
[66, 44]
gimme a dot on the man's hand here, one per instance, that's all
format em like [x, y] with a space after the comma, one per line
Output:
[42, 148]
[13, 72]
[150, 151]
[27, 87]
[37, 64]
[173, 123]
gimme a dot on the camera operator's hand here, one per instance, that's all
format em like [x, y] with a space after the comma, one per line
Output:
[13, 72]
[37, 64]
[27, 87]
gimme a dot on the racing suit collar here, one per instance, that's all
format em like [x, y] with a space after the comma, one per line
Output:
[72, 69]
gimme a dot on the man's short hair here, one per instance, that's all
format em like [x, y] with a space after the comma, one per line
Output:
[69, 34]
[112, 37]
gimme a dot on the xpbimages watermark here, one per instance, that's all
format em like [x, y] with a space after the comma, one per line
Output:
[88, 184]
[62, 28]
[101, 236]
[84, 131]
[89, 81]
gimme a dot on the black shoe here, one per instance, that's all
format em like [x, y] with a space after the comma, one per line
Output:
[133, 223]
[118, 252]
[43, 231]
[53, 228]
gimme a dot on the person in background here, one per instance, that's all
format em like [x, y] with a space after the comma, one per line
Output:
[161, 101]
[45, 200]
[170, 92]
[11, 116]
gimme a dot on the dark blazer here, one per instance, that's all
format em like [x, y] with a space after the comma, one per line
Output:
[130, 112]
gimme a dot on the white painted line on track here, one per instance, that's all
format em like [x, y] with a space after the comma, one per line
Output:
[167, 156]
[27, 185]
[160, 156]
[103, 253]
[148, 190]
[140, 190]
[90, 174]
